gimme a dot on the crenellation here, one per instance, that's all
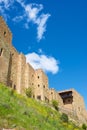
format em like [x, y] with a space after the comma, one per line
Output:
[19, 75]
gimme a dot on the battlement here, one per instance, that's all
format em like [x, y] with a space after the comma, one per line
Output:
[5, 33]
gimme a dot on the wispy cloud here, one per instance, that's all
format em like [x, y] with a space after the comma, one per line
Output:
[41, 22]
[18, 18]
[47, 63]
[6, 3]
[31, 13]
[40, 51]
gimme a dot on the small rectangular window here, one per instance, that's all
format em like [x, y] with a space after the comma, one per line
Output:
[38, 85]
[43, 86]
[39, 97]
[38, 77]
[4, 33]
[1, 51]
[51, 92]
[33, 96]
[14, 87]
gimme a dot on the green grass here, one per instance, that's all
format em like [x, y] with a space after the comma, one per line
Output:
[28, 114]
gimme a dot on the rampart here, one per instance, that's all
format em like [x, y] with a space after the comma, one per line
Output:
[19, 75]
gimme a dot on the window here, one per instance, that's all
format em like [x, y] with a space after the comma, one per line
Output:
[1, 51]
[43, 86]
[39, 97]
[4, 33]
[38, 77]
[51, 92]
[14, 87]
[33, 96]
[64, 101]
[68, 100]
[38, 85]
[32, 83]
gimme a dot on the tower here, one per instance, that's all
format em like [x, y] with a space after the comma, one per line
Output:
[5, 45]
[5, 33]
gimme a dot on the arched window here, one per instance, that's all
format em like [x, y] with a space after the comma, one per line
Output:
[4, 33]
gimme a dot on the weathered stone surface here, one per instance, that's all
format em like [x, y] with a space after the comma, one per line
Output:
[41, 86]
[74, 102]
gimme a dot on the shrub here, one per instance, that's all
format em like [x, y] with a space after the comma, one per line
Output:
[55, 104]
[84, 126]
[12, 92]
[29, 92]
[64, 117]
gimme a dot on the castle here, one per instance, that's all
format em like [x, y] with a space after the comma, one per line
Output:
[19, 75]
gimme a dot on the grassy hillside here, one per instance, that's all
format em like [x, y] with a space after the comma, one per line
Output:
[27, 114]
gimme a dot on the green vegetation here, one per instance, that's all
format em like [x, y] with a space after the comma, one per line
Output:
[55, 104]
[64, 117]
[29, 92]
[84, 126]
[25, 113]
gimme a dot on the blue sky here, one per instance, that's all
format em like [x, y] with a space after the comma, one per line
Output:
[53, 36]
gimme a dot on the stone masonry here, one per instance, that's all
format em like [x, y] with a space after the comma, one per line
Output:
[73, 101]
[19, 75]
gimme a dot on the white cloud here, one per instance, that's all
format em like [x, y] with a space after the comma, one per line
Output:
[6, 3]
[41, 22]
[18, 18]
[1, 10]
[47, 63]
[30, 13]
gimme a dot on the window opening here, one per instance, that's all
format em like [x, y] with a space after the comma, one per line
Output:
[33, 96]
[38, 85]
[38, 77]
[1, 51]
[4, 33]
[39, 97]
[14, 87]
[68, 100]
[44, 86]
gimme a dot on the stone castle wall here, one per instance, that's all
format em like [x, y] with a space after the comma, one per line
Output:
[16, 73]
[5, 43]
[21, 73]
[41, 85]
[79, 106]
[5, 33]
[74, 102]
[53, 95]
